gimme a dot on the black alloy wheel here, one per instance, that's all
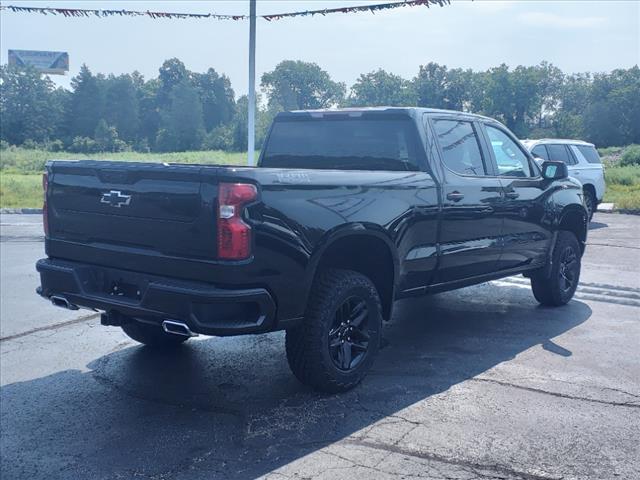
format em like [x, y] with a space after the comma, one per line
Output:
[348, 337]
[568, 269]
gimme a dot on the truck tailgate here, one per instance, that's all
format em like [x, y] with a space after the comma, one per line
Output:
[157, 209]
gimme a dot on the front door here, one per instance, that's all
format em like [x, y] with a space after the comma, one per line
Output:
[527, 224]
[470, 230]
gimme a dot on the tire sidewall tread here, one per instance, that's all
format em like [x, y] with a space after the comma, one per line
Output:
[307, 345]
[546, 289]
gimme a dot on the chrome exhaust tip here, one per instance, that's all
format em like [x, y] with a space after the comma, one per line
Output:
[177, 328]
[62, 302]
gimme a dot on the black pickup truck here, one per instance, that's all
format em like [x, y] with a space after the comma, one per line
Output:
[347, 211]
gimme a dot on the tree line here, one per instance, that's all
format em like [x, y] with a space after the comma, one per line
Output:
[181, 110]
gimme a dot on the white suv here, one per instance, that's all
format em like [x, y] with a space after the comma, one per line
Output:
[583, 163]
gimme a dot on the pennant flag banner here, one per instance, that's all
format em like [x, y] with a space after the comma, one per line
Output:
[83, 12]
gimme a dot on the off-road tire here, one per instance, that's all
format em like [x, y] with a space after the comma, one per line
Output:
[307, 345]
[547, 285]
[151, 335]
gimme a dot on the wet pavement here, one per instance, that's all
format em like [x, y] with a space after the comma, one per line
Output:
[477, 383]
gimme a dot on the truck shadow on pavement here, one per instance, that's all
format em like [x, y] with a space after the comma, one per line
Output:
[230, 408]
[593, 225]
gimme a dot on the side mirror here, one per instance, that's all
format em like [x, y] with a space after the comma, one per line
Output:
[554, 170]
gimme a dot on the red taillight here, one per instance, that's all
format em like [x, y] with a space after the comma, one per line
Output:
[234, 235]
[45, 213]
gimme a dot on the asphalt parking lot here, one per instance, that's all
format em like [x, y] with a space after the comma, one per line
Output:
[478, 383]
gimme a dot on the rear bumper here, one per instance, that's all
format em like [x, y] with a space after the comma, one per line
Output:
[206, 309]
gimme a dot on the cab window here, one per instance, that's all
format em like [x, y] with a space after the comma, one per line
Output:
[510, 159]
[460, 146]
[540, 152]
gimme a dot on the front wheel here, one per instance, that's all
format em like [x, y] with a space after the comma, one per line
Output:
[557, 285]
[335, 346]
[151, 335]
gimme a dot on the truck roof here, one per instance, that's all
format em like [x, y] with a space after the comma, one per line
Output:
[564, 141]
[411, 111]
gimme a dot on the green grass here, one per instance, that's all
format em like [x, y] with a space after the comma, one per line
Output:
[21, 168]
[21, 160]
[19, 190]
[623, 187]
[609, 151]
[20, 182]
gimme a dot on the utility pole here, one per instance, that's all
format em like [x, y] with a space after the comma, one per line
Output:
[252, 84]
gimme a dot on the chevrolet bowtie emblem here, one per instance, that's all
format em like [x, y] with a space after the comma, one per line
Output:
[115, 198]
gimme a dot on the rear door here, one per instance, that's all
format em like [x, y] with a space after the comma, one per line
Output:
[560, 153]
[526, 233]
[470, 230]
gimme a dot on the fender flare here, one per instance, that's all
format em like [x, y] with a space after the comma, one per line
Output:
[571, 210]
[356, 229]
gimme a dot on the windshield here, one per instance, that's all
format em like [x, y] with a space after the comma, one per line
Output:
[343, 143]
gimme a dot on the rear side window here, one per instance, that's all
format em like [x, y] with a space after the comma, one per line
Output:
[559, 153]
[588, 152]
[460, 146]
[343, 143]
[540, 152]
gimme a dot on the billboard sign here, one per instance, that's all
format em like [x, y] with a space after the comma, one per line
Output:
[56, 63]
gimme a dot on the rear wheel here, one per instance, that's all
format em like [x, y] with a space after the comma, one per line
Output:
[339, 339]
[556, 286]
[152, 335]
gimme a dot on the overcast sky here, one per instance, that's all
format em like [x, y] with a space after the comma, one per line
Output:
[576, 36]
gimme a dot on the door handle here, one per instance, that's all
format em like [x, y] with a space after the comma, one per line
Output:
[455, 196]
[511, 195]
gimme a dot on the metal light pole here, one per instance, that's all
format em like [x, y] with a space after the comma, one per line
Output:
[252, 84]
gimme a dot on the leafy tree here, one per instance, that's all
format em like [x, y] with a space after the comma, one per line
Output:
[438, 87]
[106, 138]
[149, 111]
[381, 88]
[458, 92]
[608, 106]
[86, 103]
[30, 107]
[182, 127]
[301, 85]
[218, 98]
[181, 110]
[121, 106]
[430, 85]
[572, 99]
[240, 125]
[172, 73]
[83, 145]
[498, 95]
